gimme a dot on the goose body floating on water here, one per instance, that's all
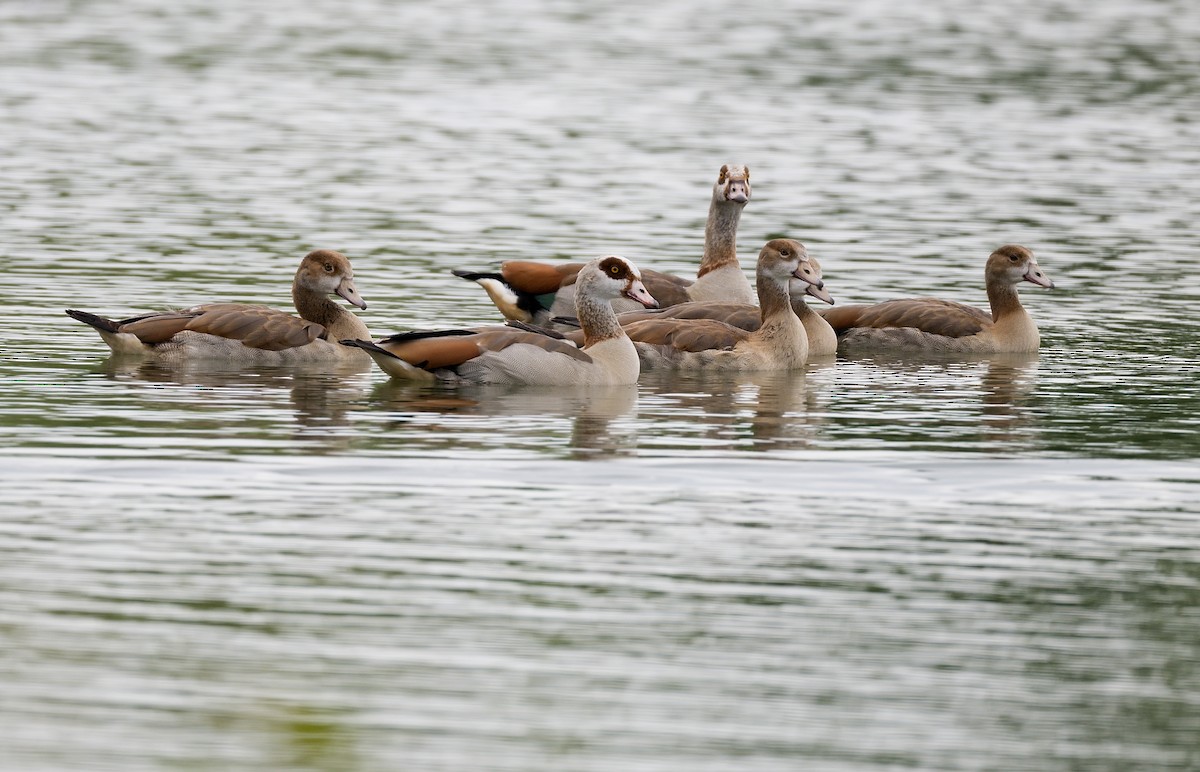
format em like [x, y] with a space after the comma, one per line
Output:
[534, 292]
[779, 343]
[242, 332]
[930, 324]
[504, 355]
[822, 340]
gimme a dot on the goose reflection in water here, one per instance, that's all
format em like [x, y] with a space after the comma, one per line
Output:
[950, 400]
[1007, 384]
[753, 411]
[516, 415]
[319, 398]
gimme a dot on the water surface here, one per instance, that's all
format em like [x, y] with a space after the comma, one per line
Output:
[879, 563]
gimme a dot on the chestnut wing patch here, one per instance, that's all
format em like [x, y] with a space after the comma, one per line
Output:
[501, 338]
[450, 348]
[538, 278]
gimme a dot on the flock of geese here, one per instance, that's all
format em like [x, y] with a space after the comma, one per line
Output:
[602, 322]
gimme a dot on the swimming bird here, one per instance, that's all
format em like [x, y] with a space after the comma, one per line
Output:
[534, 292]
[822, 340]
[248, 333]
[930, 324]
[779, 343]
[514, 356]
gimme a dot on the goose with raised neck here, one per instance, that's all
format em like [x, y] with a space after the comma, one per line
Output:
[779, 343]
[534, 292]
[504, 355]
[931, 324]
[239, 332]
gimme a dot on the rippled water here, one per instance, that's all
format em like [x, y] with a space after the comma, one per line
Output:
[986, 563]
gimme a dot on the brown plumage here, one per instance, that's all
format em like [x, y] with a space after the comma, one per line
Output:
[779, 343]
[536, 292]
[940, 317]
[240, 331]
[695, 335]
[504, 355]
[940, 325]
[255, 326]
[821, 339]
[450, 348]
[538, 278]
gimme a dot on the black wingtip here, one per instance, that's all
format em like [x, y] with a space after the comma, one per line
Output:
[475, 275]
[99, 322]
[568, 321]
[401, 337]
[517, 324]
[368, 346]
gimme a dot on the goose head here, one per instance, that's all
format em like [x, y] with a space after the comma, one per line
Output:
[1012, 264]
[326, 272]
[733, 185]
[613, 277]
[787, 262]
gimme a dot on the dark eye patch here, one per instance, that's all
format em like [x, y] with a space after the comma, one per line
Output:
[614, 268]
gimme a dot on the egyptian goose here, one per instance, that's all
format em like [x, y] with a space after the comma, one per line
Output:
[779, 343]
[822, 340]
[248, 333]
[929, 324]
[513, 356]
[535, 292]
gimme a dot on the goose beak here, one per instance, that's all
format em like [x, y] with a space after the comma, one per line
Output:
[811, 281]
[819, 292]
[637, 291]
[346, 290]
[1035, 275]
[737, 192]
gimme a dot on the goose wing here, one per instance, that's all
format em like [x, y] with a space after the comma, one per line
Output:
[939, 317]
[687, 334]
[255, 326]
[450, 348]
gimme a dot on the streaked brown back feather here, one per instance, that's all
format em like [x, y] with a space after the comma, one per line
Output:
[687, 334]
[255, 326]
[740, 315]
[157, 328]
[939, 317]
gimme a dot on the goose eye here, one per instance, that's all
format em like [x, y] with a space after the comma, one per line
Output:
[614, 269]
[329, 268]
[1012, 258]
[785, 252]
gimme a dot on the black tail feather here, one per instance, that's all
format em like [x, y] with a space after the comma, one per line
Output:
[519, 325]
[99, 322]
[367, 345]
[401, 337]
[475, 275]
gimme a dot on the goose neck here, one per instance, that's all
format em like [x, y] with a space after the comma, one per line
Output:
[1003, 299]
[720, 236]
[597, 318]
